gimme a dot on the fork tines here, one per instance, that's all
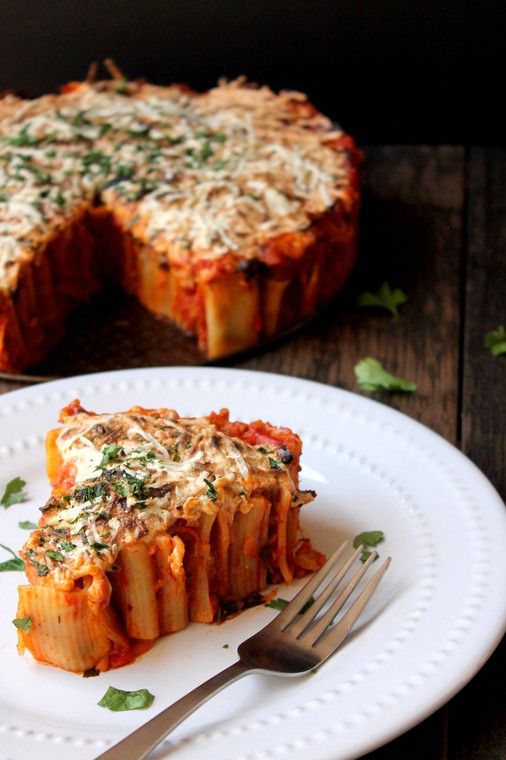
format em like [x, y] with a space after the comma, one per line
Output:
[300, 617]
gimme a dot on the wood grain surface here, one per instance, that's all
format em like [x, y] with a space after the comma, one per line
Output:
[433, 224]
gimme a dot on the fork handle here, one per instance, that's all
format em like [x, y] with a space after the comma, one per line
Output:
[138, 744]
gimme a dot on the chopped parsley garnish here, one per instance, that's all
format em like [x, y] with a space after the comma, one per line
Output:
[24, 623]
[274, 464]
[27, 525]
[206, 151]
[136, 486]
[80, 119]
[369, 538]
[384, 298]
[211, 492]
[280, 604]
[496, 341]
[13, 493]
[108, 453]
[117, 699]
[122, 87]
[175, 450]
[16, 563]
[22, 140]
[67, 546]
[41, 569]
[141, 132]
[57, 556]
[99, 547]
[371, 377]
[121, 489]
[90, 493]
[59, 199]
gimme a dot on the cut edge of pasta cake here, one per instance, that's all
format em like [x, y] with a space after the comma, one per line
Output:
[154, 521]
[232, 213]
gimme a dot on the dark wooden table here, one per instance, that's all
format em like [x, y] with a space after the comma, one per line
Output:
[433, 224]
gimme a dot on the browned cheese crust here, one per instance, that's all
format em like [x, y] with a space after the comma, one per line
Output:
[233, 212]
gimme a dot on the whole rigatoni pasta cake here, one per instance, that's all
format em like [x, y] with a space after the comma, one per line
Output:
[233, 213]
[156, 520]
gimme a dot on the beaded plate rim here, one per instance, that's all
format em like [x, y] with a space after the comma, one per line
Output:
[345, 709]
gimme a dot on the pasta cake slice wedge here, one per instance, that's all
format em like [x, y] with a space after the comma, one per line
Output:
[156, 520]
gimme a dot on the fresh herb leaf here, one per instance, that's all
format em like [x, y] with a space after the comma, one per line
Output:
[25, 623]
[22, 140]
[108, 453]
[211, 492]
[98, 546]
[117, 699]
[27, 525]
[385, 298]
[67, 546]
[371, 376]
[122, 86]
[370, 538]
[13, 493]
[496, 341]
[41, 569]
[16, 563]
[278, 604]
[57, 556]
[274, 464]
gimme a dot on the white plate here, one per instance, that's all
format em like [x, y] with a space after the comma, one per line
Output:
[437, 616]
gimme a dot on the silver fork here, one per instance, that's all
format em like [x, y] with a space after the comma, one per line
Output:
[297, 641]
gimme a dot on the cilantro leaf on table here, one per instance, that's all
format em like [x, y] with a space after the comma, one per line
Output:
[496, 341]
[16, 563]
[371, 377]
[117, 699]
[385, 298]
[13, 493]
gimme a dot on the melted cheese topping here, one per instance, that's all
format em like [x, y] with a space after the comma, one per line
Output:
[136, 475]
[214, 174]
